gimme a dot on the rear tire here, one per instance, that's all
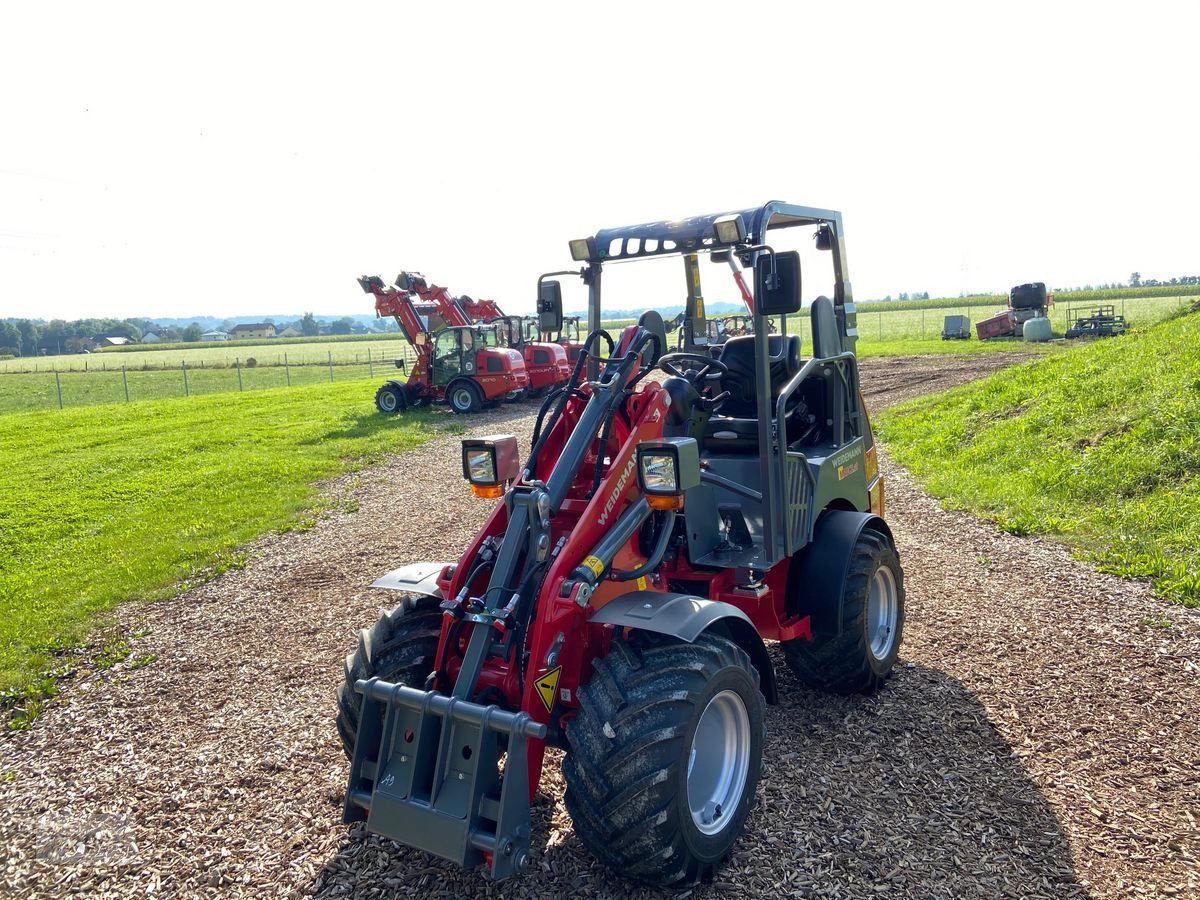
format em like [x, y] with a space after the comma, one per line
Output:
[465, 397]
[401, 648]
[665, 755]
[389, 399]
[861, 658]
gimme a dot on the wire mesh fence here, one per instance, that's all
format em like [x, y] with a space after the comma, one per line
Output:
[48, 386]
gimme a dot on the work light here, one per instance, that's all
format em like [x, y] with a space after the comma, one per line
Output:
[581, 249]
[490, 464]
[730, 229]
[667, 469]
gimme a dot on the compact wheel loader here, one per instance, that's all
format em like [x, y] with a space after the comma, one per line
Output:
[675, 513]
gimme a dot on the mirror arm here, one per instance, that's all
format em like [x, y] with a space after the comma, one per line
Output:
[773, 277]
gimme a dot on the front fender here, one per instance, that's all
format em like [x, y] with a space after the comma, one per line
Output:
[686, 617]
[418, 578]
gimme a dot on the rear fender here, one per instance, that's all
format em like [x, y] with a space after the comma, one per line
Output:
[817, 578]
[686, 617]
[418, 578]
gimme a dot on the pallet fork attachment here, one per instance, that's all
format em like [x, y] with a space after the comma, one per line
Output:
[427, 766]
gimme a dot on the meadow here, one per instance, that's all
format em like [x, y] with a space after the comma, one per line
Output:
[1095, 445]
[137, 501]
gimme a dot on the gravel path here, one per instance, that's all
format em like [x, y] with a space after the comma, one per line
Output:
[1039, 738]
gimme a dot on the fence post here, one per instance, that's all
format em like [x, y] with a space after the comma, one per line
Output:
[331, 367]
[922, 324]
[881, 324]
[186, 392]
[370, 365]
[237, 364]
[286, 371]
[125, 379]
[58, 384]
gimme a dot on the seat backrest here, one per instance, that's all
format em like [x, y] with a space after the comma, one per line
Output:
[738, 355]
[827, 338]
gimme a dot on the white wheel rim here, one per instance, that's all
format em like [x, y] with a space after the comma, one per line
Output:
[883, 606]
[388, 401]
[462, 399]
[719, 762]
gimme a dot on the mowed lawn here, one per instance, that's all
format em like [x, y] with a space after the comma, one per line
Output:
[1096, 445]
[106, 503]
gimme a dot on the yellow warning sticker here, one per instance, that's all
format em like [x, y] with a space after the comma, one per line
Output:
[547, 685]
[642, 583]
[595, 564]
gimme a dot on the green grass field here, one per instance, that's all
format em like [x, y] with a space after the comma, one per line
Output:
[34, 391]
[1096, 445]
[121, 501]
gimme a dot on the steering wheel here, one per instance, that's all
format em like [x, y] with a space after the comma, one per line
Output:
[706, 363]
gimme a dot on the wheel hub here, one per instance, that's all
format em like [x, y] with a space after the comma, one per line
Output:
[718, 762]
[882, 609]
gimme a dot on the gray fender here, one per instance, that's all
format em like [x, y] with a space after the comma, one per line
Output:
[419, 578]
[817, 579]
[686, 617]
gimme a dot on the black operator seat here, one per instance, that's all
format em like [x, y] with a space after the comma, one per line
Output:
[734, 426]
[783, 350]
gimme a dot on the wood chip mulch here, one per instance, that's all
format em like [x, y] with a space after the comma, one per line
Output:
[1039, 739]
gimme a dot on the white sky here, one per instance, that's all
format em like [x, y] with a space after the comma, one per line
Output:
[238, 159]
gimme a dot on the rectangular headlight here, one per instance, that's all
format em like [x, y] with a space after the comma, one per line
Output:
[730, 229]
[481, 465]
[668, 469]
[490, 461]
[581, 249]
[659, 473]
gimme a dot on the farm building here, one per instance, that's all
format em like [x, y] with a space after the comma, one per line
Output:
[254, 330]
[291, 331]
[112, 341]
[150, 337]
[214, 336]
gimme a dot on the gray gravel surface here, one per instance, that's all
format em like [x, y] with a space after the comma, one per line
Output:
[1039, 738]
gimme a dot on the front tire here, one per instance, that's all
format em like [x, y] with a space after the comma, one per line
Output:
[389, 399]
[665, 755]
[401, 648]
[860, 659]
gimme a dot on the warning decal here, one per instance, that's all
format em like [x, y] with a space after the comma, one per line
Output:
[547, 685]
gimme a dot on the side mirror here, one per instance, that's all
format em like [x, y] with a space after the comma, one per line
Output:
[550, 306]
[777, 293]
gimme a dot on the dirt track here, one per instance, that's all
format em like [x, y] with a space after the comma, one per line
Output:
[1038, 740]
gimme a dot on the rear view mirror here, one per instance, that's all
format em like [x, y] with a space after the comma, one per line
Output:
[777, 293]
[550, 306]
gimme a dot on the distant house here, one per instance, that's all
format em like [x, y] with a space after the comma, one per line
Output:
[214, 336]
[290, 331]
[255, 330]
[150, 337]
[112, 341]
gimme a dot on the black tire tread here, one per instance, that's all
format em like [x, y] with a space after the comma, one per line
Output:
[620, 790]
[840, 664]
[400, 647]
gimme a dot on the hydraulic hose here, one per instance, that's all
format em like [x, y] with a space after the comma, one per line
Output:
[571, 386]
[655, 559]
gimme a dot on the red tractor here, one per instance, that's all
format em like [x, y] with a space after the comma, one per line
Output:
[453, 364]
[546, 363]
[617, 603]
